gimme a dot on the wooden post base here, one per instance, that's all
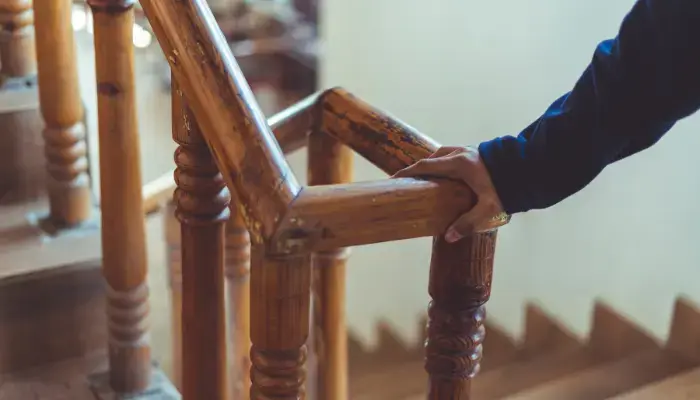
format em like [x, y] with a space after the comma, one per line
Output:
[160, 388]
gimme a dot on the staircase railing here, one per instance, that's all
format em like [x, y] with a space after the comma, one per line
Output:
[234, 186]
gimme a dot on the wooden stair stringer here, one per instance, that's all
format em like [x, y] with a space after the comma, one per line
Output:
[612, 337]
[684, 386]
[384, 374]
[609, 379]
[544, 334]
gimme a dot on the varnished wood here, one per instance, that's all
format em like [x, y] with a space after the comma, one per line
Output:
[123, 232]
[380, 138]
[238, 283]
[332, 216]
[173, 245]
[202, 207]
[330, 162]
[62, 109]
[460, 285]
[290, 127]
[232, 123]
[17, 54]
[279, 311]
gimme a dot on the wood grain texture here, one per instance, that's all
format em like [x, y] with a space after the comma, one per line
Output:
[237, 269]
[17, 39]
[244, 147]
[280, 308]
[383, 140]
[62, 109]
[459, 285]
[331, 216]
[202, 200]
[329, 162]
[123, 231]
[290, 127]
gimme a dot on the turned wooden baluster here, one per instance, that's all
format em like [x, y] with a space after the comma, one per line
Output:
[460, 285]
[174, 266]
[17, 52]
[123, 232]
[64, 136]
[238, 283]
[280, 295]
[330, 162]
[202, 200]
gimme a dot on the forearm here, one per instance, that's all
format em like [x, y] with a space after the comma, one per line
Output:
[636, 87]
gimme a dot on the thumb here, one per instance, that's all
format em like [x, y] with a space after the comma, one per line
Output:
[466, 224]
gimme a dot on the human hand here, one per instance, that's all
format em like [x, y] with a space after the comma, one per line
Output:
[462, 164]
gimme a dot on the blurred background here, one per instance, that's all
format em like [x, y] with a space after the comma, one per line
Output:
[461, 71]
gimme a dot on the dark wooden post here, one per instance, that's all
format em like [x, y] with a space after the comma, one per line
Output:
[280, 295]
[17, 52]
[330, 162]
[123, 232]
[460, 285]
[64, 137]
[238, 283]
[202, 200]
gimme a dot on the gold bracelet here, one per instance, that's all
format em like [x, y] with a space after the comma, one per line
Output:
[497, 221]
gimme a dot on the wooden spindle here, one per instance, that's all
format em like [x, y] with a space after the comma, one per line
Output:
[280, 296]
[460, 285]
[17, 52]
[330, 162]
[202, 200]
[123, 232]
[238, 283]
[174, 266]
[64, 136]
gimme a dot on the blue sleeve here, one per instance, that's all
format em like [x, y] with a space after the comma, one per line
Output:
[635, 89]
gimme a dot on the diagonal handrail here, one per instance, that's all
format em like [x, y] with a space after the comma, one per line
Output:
[290, 126]
[274, 206]
[233, 125]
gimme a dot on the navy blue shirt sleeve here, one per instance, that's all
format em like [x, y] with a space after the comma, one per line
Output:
[635, 89]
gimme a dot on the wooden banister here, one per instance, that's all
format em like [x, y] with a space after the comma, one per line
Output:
[17, 53]
[202, 201]
[329, 161]
[327, 217]
[123, 230]
[69, 191]
[384, 141]
[290, 126]
[244, 147]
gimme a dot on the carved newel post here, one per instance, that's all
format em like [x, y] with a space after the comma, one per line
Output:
[460, 285]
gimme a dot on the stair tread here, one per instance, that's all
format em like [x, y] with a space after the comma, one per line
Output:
[609, 379]
[64, 380]
[684, 386]
[499, 350]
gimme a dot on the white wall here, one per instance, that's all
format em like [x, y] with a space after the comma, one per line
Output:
[464, 71]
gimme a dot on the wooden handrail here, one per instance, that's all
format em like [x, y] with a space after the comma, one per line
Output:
[381, 139]
[233, 125]
[331, 216]
[290, 126]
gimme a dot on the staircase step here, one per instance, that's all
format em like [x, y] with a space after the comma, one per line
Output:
[408, 377]
[685, 386]
[65, 380]
[609, 379]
